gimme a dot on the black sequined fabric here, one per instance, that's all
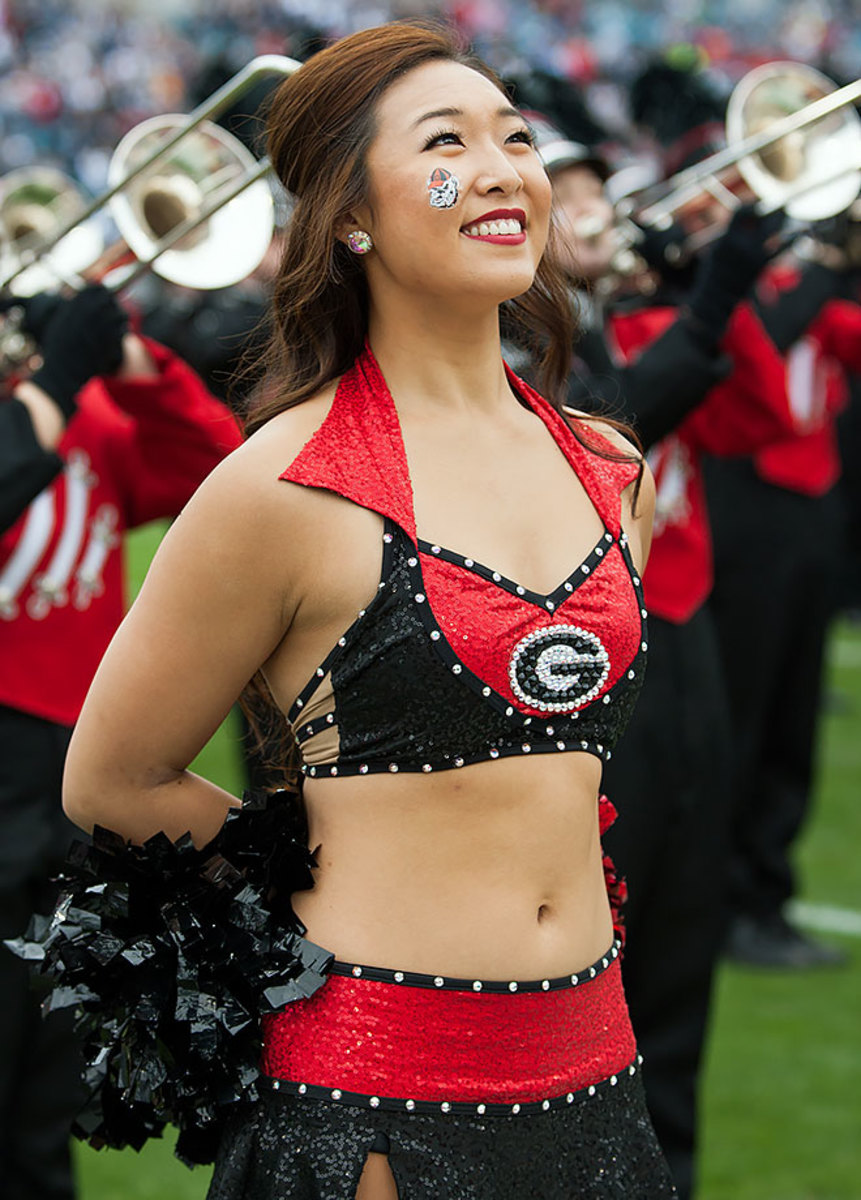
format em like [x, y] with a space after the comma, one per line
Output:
[600, 1147]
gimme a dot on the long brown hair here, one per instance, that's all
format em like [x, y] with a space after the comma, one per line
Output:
[320, 125]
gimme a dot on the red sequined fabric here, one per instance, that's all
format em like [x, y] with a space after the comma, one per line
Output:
[359, 452]
[390, 1039]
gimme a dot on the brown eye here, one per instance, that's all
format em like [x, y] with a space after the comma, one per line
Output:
[445, 137]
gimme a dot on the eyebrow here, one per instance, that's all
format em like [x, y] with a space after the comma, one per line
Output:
[506, 111]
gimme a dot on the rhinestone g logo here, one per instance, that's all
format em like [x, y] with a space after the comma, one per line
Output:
[558, 668]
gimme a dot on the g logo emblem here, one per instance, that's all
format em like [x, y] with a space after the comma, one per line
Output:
[558, 668]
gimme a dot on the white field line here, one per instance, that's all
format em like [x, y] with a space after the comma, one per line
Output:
[826, 918]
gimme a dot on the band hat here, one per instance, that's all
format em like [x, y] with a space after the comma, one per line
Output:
[682, 106]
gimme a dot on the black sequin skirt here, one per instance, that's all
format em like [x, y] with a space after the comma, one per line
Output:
[475, 1090]
[601, 1147]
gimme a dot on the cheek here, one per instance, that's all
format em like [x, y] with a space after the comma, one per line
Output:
[542, 203]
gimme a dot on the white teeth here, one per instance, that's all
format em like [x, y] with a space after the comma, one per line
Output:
[508, 227]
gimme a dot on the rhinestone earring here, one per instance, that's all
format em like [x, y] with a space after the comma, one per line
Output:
[359, 241]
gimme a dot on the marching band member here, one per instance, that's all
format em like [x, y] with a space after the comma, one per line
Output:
[112, 431]
[695, 377]
[778, 526]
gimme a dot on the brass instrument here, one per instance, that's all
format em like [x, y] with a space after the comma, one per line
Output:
[36, 202]
[170, 176]
[793, 139]
[813, 171]
[189, 200]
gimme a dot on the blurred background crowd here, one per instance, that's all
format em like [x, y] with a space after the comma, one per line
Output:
[76, 74]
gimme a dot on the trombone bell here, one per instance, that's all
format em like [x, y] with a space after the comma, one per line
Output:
[788, 172]
[231, 243]
[35, 204]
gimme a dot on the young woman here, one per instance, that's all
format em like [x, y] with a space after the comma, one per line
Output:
[472, 1039]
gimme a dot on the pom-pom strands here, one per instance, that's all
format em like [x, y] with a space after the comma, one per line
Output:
[617, 888]
[170, 955]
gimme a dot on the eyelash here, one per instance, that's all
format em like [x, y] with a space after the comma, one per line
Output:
[522, 135]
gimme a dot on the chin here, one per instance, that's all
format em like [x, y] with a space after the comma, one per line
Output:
[512, 283]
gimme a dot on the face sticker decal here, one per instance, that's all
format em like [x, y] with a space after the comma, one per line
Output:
[442, 188]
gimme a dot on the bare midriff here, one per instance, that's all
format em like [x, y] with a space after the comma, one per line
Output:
[492, 871]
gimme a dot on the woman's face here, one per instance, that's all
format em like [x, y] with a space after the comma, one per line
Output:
[482, 239]
[585, 219]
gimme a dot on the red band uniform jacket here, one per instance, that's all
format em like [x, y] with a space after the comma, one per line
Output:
[135, 450]
[743, 414]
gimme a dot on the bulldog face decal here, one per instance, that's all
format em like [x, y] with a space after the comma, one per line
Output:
[442, 188]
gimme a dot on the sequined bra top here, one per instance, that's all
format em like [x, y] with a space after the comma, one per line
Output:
[451, 663]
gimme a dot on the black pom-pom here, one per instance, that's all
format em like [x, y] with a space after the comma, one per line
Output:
[169, 956]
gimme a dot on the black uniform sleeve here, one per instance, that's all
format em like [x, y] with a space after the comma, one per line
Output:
[25, 466]
[787, 318]
[655, 393]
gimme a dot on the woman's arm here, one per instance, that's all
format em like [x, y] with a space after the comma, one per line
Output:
[217, 601]
[637, 518]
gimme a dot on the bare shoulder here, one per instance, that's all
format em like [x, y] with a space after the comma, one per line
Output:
[645, 506]
[606, 430]
[284, 436]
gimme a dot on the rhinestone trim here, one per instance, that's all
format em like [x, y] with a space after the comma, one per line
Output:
[548, 600]
[483, 1108]
[451, 762]
[499, 986]
[403, 549]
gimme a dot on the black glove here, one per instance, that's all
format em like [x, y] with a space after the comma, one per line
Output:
[38, 312]
[663, 249]
[81, 338]
[732, 265]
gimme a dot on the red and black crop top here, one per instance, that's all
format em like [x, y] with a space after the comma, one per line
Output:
[451, 663]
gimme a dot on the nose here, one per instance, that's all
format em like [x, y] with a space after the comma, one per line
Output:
[498, 174]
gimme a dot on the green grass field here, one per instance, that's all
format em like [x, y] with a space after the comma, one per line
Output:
[782, 1089]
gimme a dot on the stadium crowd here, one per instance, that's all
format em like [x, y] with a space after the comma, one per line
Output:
[72, 85]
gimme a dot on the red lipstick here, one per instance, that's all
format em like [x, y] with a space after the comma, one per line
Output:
[501, 214]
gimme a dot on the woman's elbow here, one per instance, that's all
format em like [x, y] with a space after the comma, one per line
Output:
[78, 800]
[88, 784]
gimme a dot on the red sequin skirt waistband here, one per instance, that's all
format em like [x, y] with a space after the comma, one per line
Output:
[425, 1039]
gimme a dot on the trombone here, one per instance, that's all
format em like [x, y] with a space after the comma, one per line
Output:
[793, 138]
[169, 177]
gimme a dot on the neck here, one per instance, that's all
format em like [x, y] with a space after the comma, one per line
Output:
[438, 361]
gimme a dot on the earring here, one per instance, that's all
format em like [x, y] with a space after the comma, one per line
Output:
[359, 241]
